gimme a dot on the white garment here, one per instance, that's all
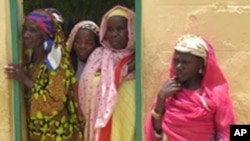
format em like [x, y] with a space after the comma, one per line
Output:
[80, 67]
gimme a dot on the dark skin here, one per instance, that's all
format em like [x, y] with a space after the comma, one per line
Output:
[117, 32]
[33, 38]
[186, 67]
[117, 35]
[84, 44]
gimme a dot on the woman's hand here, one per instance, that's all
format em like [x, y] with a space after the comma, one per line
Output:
[16, 72]
[169, 88]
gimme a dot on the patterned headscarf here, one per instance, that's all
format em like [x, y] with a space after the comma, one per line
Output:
[89, 25]
[192, 44]
[50, 25]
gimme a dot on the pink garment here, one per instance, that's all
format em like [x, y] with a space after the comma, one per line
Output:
[187, 119]
[99, 105]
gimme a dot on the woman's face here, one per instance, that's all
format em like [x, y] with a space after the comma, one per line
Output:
[117, 32]
[186, 66]
[84, 43]
[33, 36]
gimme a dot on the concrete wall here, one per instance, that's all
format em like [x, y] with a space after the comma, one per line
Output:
[224, 23]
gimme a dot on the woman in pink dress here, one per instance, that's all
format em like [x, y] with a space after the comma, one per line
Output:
[109, 69]
[194, 104]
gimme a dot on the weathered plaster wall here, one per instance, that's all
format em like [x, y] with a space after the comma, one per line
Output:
[5, 87]
[224, 23]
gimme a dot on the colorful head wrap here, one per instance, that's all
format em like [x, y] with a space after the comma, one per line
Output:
[89, 25]
[43, 20]
[118, 12]
[192, 44]
[50, 25]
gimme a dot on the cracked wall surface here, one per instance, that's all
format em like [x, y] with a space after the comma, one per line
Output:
[224, 23]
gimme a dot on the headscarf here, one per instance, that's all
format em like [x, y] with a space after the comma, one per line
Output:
[197, 46]
[192, 44]
[108, 61]
[131, 26]
[57, 14]
[118, 12]
[206, 114]
[89, 25]
[50, 25]
[43, 20]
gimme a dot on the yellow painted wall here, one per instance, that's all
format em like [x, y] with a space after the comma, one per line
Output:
[224, 23]
[5, 87]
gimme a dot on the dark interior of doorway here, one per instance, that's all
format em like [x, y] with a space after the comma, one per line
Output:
[76, 10]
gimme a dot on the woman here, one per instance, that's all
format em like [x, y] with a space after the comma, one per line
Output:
[194, 103]
[48, 78]
[109, 72]
[82, 41]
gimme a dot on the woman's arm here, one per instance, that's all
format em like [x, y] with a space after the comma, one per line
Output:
[169, 88]
[157, 113]
[17, 73]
